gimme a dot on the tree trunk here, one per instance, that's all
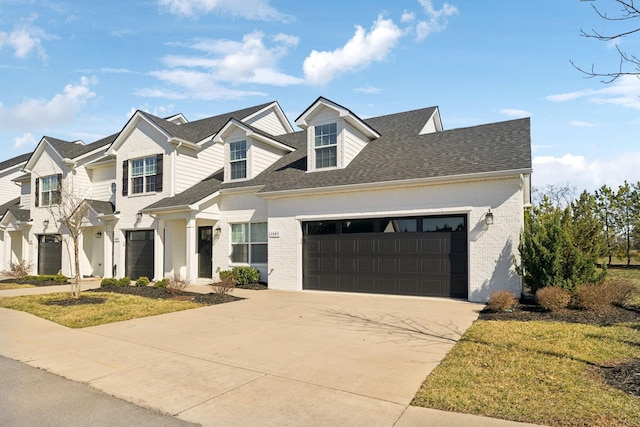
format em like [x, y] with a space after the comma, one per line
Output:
[75, 291]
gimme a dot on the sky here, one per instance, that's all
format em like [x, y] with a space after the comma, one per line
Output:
[77, 70]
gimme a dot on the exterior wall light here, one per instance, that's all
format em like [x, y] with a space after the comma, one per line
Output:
[45, 223]
[139, 215]
[488, 218]
[217, 231]
[98, 234]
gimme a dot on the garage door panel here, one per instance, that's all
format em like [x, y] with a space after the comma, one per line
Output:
[430, 263]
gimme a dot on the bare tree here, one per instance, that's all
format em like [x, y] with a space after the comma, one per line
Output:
[622, 12]
[70, 211]
[560, 195]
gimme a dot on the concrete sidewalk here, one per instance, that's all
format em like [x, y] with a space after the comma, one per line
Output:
[275, 358]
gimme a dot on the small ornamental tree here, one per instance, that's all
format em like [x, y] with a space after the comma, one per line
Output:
[70, 211]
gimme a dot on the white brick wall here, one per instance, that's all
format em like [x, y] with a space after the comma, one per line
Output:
[491, 248]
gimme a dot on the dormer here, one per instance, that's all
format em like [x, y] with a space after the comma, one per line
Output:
[247, 151]
[433, 124]
[177, 119]
[335, 136]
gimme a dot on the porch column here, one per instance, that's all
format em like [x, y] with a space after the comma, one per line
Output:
[192, 256]
[6, 250]
[107, 251]
[158, 250]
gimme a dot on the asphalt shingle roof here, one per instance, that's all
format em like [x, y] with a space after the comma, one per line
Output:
[101, 207]
[14, 161]
[400, 153]
[198, 130]
[10, 204]
[204, 188]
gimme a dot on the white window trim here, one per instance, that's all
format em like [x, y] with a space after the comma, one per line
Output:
[144, 176]
[311, 144]
[50, 192]
[249, 243]
[227, 156]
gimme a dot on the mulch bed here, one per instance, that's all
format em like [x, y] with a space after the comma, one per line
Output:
[159, 293]
[34, 282]
[624, 376]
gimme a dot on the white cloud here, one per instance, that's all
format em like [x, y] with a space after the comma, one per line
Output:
[253, 60]
[259, 10]
[624, 92]
[367, 90]
[41, 113]
[511, 112]
[25, 38]
[436, 18]
[26, 139]
[359, 52]
[585, 173]
[578, 123]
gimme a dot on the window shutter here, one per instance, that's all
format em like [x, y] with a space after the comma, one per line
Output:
[125, 177]
[58, 192]
[37, 192]
[159, 172]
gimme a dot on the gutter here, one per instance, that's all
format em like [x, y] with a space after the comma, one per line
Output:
[394, 184]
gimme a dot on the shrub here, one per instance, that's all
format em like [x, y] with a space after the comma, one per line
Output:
[108, 281]
[225, 285]
[595, 297]
[622, 290]
[161, 284]
[48, 278]
[553, 298]
[125, 281]
[142, 282]
[176, 284]
[502, 301]
[20, 270]
[245, 275]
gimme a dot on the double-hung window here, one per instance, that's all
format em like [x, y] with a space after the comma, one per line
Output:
[326, 145]
[50, 187]
[238, 159]
[143, 175]
[249, 243]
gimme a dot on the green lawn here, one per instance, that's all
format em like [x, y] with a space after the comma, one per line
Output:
[4, 286]
[95, 308]
[538, 372]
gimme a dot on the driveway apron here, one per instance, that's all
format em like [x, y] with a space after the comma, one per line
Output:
[274, 358]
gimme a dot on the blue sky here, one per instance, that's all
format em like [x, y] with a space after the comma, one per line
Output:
[78, 70]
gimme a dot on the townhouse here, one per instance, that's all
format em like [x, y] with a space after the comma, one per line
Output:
[392, 204]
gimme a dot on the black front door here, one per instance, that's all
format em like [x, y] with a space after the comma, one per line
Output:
[49, 254]
[205, 241]
[139, 254]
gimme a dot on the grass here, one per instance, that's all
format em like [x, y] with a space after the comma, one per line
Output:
[96, 308]
[4, 286]
[537, 372]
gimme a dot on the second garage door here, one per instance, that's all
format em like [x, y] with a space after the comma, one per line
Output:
[425, 256]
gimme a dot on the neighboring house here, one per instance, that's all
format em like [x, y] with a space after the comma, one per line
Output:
[391, 204]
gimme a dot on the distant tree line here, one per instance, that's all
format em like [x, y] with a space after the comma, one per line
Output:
[566, 237]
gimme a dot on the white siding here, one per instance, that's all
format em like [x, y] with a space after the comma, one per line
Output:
[261, 156]
[352, 143]
[192, 167]
[8, 189]
[491, 249]
[25, 194]
[269, 122]
[101, 180]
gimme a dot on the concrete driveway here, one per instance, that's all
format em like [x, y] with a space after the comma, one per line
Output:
[276, 358]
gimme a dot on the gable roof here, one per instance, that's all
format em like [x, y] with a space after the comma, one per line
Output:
[402, 154]
[100, 207]
[10, 204]
[22, 158]
[343, 112]
[69, 149]
[489, 148]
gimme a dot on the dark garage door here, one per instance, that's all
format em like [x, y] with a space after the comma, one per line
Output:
[424, 256]
[139, 252]
[49, 254]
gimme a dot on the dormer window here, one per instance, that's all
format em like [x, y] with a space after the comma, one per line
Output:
[238, 159]
[326, 145]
